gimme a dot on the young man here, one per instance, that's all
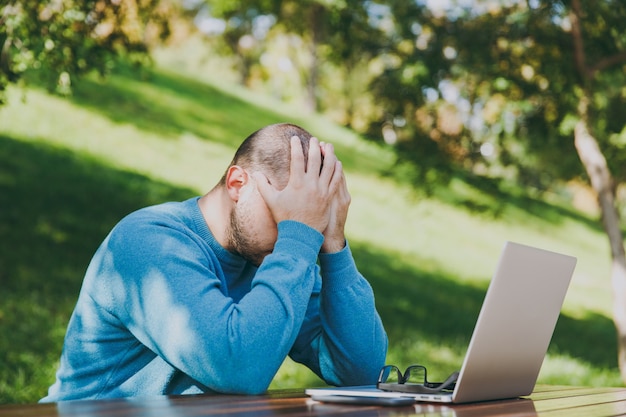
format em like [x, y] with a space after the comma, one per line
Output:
[211, 294]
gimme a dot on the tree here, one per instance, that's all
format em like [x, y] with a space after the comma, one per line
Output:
[242, 15]
[331, 31]
[61, 40]
[589, 65]
[540, 82]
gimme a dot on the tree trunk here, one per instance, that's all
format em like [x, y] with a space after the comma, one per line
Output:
[602, 182]
[315, 22]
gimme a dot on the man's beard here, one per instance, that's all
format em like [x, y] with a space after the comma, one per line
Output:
[242, 243]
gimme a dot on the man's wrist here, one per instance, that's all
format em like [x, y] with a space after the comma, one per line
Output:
[293, 230]
[333, 246]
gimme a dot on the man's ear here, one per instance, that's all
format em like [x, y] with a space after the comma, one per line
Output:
[236, 178]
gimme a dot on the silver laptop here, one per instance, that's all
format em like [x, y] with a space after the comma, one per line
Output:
[511, 336]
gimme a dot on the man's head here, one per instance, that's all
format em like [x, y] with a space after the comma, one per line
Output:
[250, 229]
[268, 151]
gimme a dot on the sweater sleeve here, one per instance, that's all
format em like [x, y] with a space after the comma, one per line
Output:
[342, 339]
[176, 304]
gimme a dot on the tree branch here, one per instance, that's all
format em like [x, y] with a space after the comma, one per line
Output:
[587, 72]
[577, 35]
[608, 62]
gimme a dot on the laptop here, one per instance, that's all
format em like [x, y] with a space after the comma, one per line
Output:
[510, 338]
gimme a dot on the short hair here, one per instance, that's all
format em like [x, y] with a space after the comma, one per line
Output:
[268, 150]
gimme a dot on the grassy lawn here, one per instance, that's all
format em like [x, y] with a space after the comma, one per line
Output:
[71, 168]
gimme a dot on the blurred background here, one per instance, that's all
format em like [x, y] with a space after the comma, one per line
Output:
[461, 125]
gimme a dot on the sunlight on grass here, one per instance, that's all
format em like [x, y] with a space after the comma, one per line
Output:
[292, 375]
[184, 159]
[578, 373]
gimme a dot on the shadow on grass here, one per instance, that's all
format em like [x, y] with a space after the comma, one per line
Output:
[592, 340]
[509, 202]
[411, 301]
[56, 207]
[438, 308]
[171, 105]
[174, 105]
[497, 194]
[494, 198]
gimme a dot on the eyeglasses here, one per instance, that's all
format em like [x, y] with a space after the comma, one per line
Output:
[413, 380]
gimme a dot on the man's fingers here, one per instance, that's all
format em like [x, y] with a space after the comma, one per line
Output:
[337, 179]
[330, 162]
[297, 156]
[315, 156]
[313, 196]
[263, 185]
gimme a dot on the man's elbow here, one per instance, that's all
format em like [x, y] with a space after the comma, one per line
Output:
[367, 371]
[251, 382]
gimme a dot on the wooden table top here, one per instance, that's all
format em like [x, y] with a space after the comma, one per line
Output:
[548, 401]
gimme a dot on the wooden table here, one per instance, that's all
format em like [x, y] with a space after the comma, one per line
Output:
[545, 401]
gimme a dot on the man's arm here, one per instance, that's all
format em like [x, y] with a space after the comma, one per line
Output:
[342, 338]
[177, 306]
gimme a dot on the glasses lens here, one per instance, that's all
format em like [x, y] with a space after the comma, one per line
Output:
[389, 373]
[415, 374]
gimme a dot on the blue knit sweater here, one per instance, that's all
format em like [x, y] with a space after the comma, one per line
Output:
[164, 309]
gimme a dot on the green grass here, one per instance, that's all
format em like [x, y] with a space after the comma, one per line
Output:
[71, 168]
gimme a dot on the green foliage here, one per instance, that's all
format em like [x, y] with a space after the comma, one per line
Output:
[445, 83]
[65, 39]
[515, 69]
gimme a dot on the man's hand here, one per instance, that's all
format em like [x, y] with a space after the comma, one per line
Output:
[334, 236]
[310, 191]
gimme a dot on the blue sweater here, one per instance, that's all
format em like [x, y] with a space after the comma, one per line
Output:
[164, 309]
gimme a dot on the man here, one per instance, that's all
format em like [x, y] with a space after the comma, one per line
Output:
[212, 294]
